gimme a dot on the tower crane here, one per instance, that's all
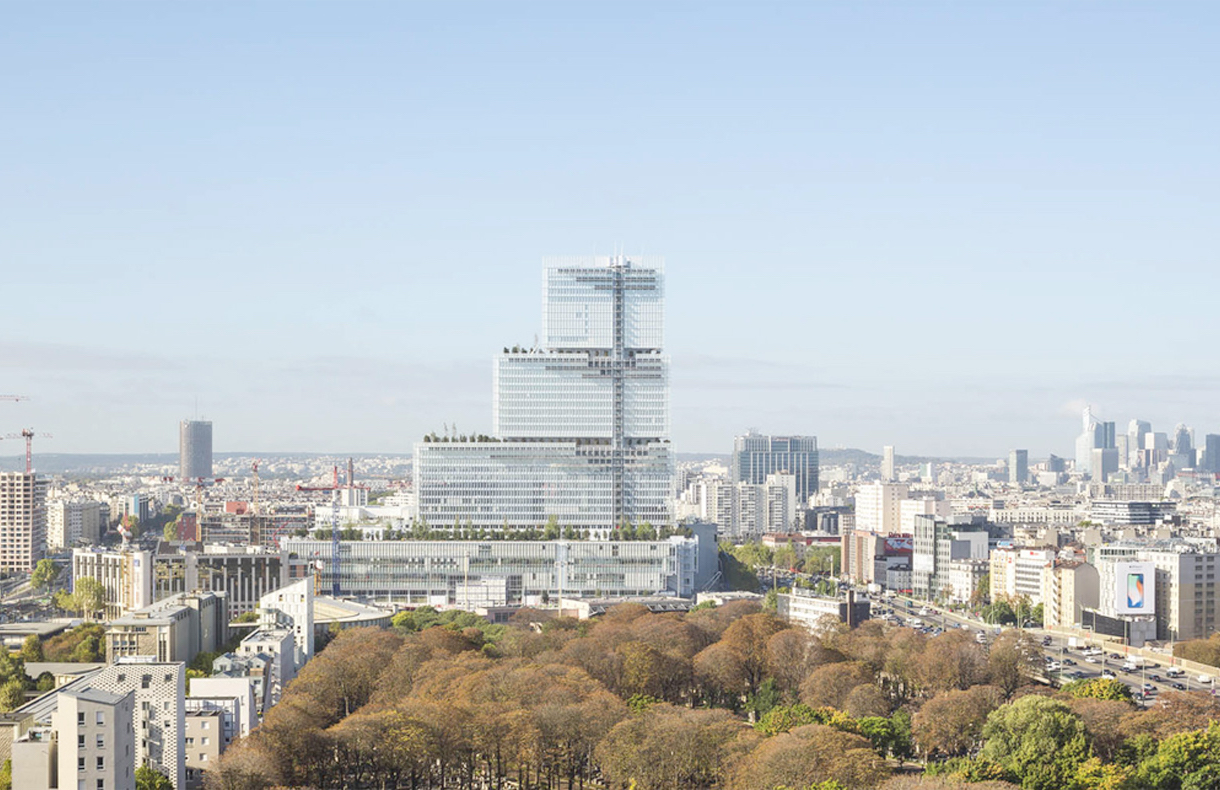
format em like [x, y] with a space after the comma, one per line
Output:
[28, 434]
[334, 527]
[254, 469]
[13, 397]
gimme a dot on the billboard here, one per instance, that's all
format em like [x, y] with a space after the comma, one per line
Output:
[1134, 588]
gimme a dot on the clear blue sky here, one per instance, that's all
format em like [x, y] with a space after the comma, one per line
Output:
[938, 226]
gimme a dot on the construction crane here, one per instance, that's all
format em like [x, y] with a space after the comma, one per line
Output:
[334, 525]
[28, 434]
[254, 469]
[13, 397]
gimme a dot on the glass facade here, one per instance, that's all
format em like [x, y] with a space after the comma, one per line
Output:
[581, 425]
[755, 456]
[505, 572]
[580, 299]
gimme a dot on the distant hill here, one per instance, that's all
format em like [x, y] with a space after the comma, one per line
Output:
[102, 463]
[840, 456]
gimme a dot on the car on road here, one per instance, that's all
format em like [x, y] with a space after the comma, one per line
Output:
[1046, 640]
[1179, 686]
[1108, 675]
[1155, 678]
[1115, 655]
[1090, 659]
[1149, 688]
[1175, 673]
[1204, 679]
[1068, 662]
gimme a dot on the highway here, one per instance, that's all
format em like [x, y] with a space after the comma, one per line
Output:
[1074, 663]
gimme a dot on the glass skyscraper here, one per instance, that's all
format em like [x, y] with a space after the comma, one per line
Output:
[580, 425]
[755, 456]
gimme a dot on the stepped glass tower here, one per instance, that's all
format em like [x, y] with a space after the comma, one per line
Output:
[580, 424]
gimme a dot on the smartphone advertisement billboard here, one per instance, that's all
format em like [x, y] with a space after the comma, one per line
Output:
[1135, 588]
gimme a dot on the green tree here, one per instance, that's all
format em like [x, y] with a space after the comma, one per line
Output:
[6, 775]
[89, 596]
[170, 532]
[1185, 761]
[1099, 688]
[12, 694]
[31, 649]
[1037, 741]
[148, 778]
[551, 530]
[45, 573]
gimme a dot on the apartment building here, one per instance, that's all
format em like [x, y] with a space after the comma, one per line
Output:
[1068, 588]
[879, 507]
[159, 690]
[1019, 572]
[73, 523]
[204, 742]
[90, 743]
[937, 543]
[175, 629]
[23, 521]
[125, 575]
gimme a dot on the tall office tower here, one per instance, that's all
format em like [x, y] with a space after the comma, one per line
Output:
[887, 464]
[1136, 430]
[1055, 464]
[1086, 442]
[581, 425]
[23, 521]
[1123, 446]
[1183, 443]
[1018, 467]
[1211, 452]
[194, 449]
[1106, 435]
[1097, 435]
[755, 456]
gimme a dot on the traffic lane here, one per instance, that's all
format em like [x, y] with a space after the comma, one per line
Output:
[1058, 647]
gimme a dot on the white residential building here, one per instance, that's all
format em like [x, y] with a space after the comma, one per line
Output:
[90, 744]
[295, 601]
[1017, 572]
[879, 507]
[73, 523]
[159, 690]
[908, 509]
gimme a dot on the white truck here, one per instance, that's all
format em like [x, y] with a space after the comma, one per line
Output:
[1133, 663]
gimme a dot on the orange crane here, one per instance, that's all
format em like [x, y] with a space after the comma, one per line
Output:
[28, 434]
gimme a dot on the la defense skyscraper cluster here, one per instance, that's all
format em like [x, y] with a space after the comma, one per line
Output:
[580, 424]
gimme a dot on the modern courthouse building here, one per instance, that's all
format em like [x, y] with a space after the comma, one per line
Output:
[580, 423]
[194, 449]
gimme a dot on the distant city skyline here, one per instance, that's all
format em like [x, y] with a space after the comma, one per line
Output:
[941, 228]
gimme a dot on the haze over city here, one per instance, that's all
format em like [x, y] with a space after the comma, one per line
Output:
[943, 228]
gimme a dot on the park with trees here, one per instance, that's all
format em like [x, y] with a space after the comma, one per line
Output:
[725, 697]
